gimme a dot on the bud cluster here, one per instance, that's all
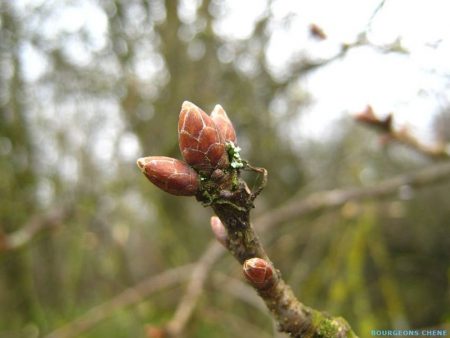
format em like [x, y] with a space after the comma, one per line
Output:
[203, 142]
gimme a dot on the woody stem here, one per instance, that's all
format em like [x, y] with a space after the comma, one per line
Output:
[292, 316]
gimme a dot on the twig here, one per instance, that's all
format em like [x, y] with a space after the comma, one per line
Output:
[241, 326]
[238, 289]
[305, 66]
[403, 135]
[293, 317]
[128, 297]
[35, 225]
[327, 200]
[193, 291]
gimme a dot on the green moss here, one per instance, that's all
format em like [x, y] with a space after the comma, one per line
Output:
[327, 327]
[234, 180]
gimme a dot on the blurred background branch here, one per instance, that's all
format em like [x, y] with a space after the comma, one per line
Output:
[33, 227]
[403, 135]
[128, 297]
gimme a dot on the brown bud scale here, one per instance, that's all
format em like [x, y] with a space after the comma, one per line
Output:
[199, 140]
[223, 124]
[258, 272]
[170, 175]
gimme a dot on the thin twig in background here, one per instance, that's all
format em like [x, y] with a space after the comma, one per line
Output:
[194, 289]
[402, 136]
[305, 65]
[330, 199]
[32, 228]
[238, 289]
[130, 296]
[243, 327]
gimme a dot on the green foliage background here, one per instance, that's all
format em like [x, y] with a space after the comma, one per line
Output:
[64, 143]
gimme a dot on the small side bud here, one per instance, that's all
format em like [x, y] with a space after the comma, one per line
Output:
[199, 140]
[155, 332]
[224, 125]
[219, 230]
[171, 175]
[368, 117]
[317, 32]
[259, 273]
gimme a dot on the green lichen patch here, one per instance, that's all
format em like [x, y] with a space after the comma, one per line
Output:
[234, 156]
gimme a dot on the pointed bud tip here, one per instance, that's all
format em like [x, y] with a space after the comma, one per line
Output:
[187, 105]
[218, 110]
[141, 163]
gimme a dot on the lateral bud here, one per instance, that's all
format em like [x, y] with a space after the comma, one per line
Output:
[155, 332]
[224, 125]
[368, 117]
[259, 273]
[219, 230]
[317, 32]
[169, 174]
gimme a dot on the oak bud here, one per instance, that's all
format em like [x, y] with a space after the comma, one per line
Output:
[223, 124]
[219, 230]
[317, 32]
[259, 273]
[155, 332]
[368, 117]
[199, 140]
[170, 175]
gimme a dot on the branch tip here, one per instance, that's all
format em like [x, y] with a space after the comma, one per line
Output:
[141, 163]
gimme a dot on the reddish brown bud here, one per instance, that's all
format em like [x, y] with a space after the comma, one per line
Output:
[368, 117]
[259, 273]
[317, 32]
[223, 124]
[155, 332]
[219, 230]
[170, 175]
[199, 139]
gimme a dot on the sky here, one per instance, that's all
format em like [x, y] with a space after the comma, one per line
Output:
[414, 86]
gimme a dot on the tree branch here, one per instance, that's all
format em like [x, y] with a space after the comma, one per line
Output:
[330, 199]
[402, 136]
[292, 316]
